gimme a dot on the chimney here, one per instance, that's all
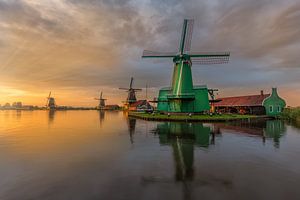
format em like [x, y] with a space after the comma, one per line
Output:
[261, 92]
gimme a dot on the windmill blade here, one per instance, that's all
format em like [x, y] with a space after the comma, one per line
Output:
[186, 35]
[131, 82]
[210, 61]
[154, 54]
[137, 89]
[101, 95]
[210, 58]
[47, 102]
[189, 33]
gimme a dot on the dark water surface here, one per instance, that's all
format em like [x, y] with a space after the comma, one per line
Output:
[86, 155]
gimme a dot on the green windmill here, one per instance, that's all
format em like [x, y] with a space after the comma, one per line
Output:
[183, 96]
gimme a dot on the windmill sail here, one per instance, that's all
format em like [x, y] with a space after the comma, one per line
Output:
[189, 33]
[101, 101]
[48, 98]
[210, 58]
[131, 98]
[186, 35]
[182, 92]
[131, 82]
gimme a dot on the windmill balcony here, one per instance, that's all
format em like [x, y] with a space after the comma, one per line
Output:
[182, 96]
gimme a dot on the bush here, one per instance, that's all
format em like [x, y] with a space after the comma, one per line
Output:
[291, 114]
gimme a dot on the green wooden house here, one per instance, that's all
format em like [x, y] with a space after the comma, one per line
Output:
[261, 104]
[273, 104]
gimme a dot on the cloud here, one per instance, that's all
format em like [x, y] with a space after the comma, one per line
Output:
[83, 45]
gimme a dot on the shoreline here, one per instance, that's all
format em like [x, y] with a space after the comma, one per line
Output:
[195, 118]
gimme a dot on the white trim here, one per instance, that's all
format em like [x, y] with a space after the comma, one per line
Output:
[279, 109]
[266, 99]
[179, 79]
[271, 110]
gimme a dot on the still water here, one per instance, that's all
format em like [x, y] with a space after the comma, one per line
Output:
[86, 155]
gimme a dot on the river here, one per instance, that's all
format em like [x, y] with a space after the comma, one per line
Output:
[76, 155]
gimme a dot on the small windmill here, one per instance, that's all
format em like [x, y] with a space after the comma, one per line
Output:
[101, 105]
[183, 96]
[131, 98]
[50, 104]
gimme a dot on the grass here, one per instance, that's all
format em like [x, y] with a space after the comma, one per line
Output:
[291, 114]
[203, 117]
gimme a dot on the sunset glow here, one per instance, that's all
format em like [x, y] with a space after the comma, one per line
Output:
[77, 48]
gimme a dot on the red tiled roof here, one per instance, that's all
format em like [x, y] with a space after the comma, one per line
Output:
[138, 103]
[251, 100]
[112, 106]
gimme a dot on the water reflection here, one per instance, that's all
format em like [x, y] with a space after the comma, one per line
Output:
[51, 115]
[131, 122]
[101, 117]
[275, 129]
[18, 114]
[71, 160]
[271, 129]
[183, 138]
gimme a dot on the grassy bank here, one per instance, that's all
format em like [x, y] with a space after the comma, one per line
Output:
[291, 114]
[202, 118]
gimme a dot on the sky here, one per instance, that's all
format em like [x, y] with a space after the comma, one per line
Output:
[77, 48]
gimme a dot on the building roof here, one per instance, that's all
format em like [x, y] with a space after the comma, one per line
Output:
[250, 100]
[113, 105]
[139, 103]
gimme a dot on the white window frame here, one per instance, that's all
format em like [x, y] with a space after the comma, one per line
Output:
[278, 109]
[271, 108]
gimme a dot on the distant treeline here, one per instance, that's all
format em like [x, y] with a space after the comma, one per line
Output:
[291, 114]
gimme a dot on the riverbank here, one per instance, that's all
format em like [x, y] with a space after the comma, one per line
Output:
[198, 118]
[292, 114]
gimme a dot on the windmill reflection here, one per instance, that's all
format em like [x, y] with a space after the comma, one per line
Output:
[51, 115]
[131, 122]
[101, 117]
[183, 137]
[18, 114]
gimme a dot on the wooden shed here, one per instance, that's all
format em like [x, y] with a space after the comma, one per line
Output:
[261, 104]
[140, 105]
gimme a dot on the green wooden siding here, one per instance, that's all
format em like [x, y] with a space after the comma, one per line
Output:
[274, 105]
[197, 101]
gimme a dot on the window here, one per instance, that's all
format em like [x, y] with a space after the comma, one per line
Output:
[278, 109]
[271, 108]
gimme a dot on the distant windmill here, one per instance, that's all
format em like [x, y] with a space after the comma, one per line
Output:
[183, 96]
[131, 98]
[101, 105]
[50, 104]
